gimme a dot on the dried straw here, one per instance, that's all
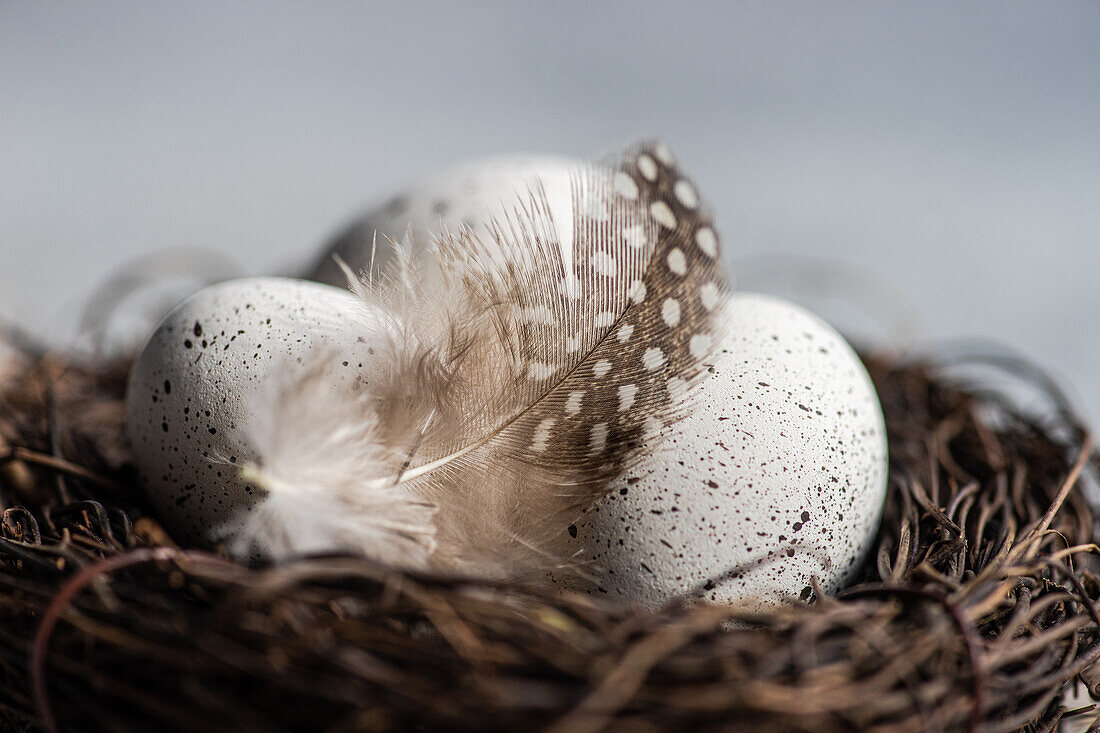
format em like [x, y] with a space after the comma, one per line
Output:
[978, 607]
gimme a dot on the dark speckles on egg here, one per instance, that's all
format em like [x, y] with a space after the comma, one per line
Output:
[753, 462]
[191, 491]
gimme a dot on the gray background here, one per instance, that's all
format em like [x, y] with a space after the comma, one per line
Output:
[935, 165]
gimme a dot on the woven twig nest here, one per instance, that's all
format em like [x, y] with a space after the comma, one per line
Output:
[976, 610]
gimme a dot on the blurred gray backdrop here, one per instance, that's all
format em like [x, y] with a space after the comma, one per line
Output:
[930, 168]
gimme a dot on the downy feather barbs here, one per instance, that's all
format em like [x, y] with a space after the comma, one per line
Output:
[531, 367]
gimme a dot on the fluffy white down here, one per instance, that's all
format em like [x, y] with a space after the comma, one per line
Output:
[255, 384]
[777, 476]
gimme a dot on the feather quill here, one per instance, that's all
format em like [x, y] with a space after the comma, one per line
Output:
[515, 376]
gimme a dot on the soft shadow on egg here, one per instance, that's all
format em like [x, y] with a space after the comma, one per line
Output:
[776, 475]
[470, 196]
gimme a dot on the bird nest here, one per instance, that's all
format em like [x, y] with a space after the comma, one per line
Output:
[976, 609]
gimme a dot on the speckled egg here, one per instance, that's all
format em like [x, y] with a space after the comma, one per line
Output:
[777, 475]
[197, 383]
[469, 195]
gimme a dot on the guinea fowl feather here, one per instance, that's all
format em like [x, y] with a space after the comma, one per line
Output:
[509, 380]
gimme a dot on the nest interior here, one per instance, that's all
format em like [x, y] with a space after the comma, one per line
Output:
[977, 608]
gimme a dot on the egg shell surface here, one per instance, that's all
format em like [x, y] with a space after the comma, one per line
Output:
[469, 195]
[202, 375]
[776, 475]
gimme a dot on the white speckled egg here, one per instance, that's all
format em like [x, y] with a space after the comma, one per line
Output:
[777, 475]
[196, 385]
[468, 195]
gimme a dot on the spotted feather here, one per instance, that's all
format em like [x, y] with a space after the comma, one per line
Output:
[509, 391]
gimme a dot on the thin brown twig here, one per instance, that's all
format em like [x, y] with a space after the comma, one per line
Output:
[64, 597]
